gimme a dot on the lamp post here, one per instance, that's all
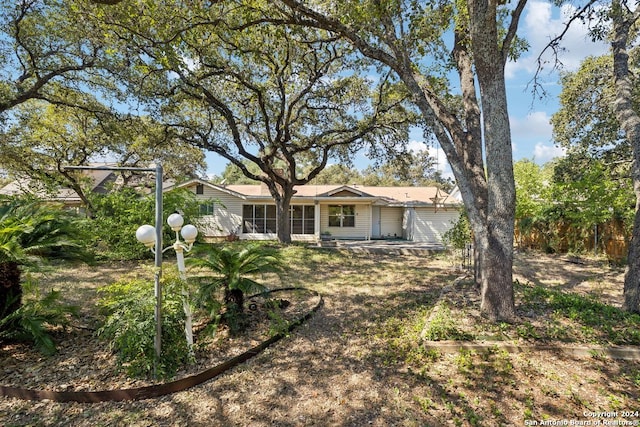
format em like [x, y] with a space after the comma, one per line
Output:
[146, 234]
[155, 238]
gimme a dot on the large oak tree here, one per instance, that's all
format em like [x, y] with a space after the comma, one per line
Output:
[276, 96]
[410, 38]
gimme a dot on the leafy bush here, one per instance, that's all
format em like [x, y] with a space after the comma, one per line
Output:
[443, 327]
[130, 326]
[117, 216]
[459, 235]
[32, 320]
[31, 232]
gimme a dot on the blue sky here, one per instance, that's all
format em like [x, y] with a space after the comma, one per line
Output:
[530, 129]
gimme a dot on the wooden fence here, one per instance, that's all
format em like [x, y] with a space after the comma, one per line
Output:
[610, 238]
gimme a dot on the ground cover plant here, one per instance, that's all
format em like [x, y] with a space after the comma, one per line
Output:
[359, 360]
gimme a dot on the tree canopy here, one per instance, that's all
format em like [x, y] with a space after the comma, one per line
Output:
[47, 51]
[43, 138]
[276, 96]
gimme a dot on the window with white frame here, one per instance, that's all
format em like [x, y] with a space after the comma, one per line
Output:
[258, 219]
[302, 219]
[342, 216]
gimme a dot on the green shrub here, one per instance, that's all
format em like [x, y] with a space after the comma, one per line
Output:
[35, 316]
[117, 216]
[443, 327]
[130, 327]
[459, 234]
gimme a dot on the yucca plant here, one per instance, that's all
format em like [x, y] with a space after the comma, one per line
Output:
[234, 270]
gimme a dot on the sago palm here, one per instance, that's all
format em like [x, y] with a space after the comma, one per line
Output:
[234, 269]
[31, 232]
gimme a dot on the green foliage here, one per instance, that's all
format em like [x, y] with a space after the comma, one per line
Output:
[33, 231]
[586, 118]
[590, 191]
[118, 215]
[38, 146]
[589, 318]
[459, 235]
[277, 322]
[401, 169]
[442, 326]
[559, 204]
[56, 43]
[33, 320]
[233, 267]
[593, 185]
[129, 326]
[532, 189]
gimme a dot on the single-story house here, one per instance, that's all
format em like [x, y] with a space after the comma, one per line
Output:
[420, 214]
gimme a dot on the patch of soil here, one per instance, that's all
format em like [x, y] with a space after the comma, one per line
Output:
[580, 274]
[85, 363]
[357, 362]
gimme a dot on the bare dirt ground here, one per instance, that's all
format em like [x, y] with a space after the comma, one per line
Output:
[357, 361]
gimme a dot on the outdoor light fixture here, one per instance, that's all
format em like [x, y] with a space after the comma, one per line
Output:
[146, 235]
[175, 221]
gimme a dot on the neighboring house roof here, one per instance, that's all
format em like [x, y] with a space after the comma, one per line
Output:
[402, 196]
[99, 180]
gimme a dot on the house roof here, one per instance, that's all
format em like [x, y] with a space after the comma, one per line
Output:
[99, 180]
[385, 195]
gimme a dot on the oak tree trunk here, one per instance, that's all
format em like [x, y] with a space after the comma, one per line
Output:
[630, 124]
[494, 233]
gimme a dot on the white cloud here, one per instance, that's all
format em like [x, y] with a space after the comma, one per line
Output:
[534, 125]
[533, 128]
[540, 24]
[542, 153]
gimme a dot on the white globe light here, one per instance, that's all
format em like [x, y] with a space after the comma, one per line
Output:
[189, 233]
[146, 234]
[175, 221]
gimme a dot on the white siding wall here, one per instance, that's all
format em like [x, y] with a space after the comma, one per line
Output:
[429, 225]
[227, 214]
[362, 229]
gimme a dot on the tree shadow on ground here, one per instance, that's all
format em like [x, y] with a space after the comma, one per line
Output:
[340, 369]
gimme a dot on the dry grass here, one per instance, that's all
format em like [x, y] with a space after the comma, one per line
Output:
[358, 361]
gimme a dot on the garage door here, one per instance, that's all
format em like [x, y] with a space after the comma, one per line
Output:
[430, 226]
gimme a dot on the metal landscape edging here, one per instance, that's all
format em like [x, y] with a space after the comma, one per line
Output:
[158, 390]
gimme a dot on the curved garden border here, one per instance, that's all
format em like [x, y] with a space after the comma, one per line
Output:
[158, 390]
